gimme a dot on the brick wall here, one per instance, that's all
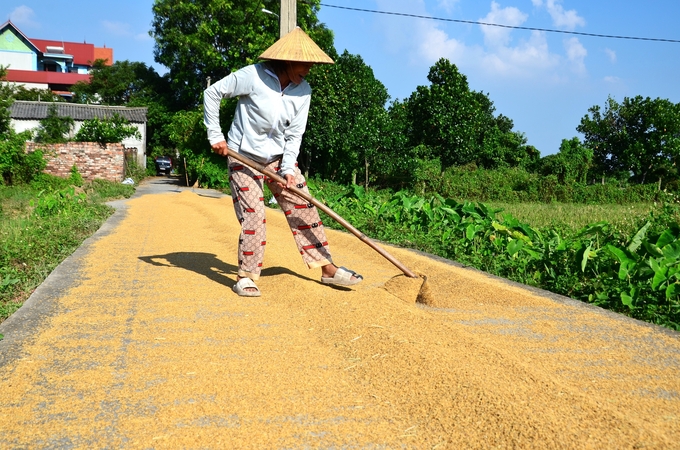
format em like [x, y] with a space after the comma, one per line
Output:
[91, 159]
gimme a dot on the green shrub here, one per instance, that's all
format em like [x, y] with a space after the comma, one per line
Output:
[53, 129]
[134, 170]
[76, 179]
[636, 274]
[17, 166]
[103, 190]
[106, 131]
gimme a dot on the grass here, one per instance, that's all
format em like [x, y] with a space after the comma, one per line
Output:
[35, 239]
[569, 216]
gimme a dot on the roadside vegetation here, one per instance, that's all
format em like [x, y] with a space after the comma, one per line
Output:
[629, 262]
[441, 170]
[41, 224]
[44, 218]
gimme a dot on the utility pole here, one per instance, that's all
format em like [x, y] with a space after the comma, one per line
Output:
[288, 17]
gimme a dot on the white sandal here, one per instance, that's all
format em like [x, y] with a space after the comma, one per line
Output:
[243, 284]
[343, 277]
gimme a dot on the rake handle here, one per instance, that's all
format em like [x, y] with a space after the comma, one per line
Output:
[365, 239]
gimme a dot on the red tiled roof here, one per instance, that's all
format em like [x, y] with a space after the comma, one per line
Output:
[29, 76]
[83, 54]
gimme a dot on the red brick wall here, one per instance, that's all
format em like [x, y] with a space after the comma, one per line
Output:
[91, 159]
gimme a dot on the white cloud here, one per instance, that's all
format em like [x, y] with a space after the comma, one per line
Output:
[526, 60]
[23, 16]
[125, 30]
[117, 28]
[502, 54]
[576, 53]
[537, 2]
[498, 36]
[612, 79]
[447, 5]
[435, 44]
[143, 37]
[563, 19]
[611, 54]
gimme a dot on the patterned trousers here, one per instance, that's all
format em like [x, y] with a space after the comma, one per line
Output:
[303, 218]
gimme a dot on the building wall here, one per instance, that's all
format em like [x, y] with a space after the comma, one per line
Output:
[17, 60]
[27, 85]
[14, 52]
[92, 160]
[139, 144]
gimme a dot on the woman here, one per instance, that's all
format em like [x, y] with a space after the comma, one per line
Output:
[271, 116]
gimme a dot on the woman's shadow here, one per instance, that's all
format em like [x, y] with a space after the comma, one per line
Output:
[208, 265]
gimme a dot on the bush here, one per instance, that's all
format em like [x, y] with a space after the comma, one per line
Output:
[76, 179]
[17, 166]
[517, 185]
[134, 170]
[106, 131]
[53, 129]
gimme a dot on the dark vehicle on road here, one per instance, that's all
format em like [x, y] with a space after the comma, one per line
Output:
[163, 165]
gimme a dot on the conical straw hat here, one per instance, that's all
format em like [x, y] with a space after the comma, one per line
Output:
[296, 46]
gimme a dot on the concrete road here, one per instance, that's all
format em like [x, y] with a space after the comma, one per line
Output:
[137, 341]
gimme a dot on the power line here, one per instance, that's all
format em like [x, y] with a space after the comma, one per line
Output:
[501, 26]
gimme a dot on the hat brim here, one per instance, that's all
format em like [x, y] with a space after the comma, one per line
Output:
[296, 46]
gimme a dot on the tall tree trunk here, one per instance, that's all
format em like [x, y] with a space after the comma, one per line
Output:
[366, 164]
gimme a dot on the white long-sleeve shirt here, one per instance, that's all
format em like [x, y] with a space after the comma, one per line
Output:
[268, 122]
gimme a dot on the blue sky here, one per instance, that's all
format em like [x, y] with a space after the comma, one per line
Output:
[545, 82]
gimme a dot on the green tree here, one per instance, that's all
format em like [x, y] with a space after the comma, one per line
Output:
[6, 100]
[458, 126]
[347, 122]
[16, 165]
[571, 165]
[126, 83]
[198, 40]
[36, 95]
[636, 140]
[53, 129]
[106, 131]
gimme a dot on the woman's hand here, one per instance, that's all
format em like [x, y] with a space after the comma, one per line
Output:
[290, 181]
[221, 148]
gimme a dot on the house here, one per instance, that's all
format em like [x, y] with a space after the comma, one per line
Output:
[27, 115]
[47, 64]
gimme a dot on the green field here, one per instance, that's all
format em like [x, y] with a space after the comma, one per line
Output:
[625, 218]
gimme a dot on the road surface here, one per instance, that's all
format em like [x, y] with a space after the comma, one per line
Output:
[137, 341]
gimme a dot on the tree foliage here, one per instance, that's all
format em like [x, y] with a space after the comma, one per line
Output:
[198, 40]
[6, 100]
[16, 165]
[54, 129]
[571, 165]
[36, 95]
[106, 131]
[347, 120]
[458, 126]
[126, 83]
[638, 139]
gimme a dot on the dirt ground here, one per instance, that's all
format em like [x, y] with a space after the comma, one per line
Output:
[150, 348]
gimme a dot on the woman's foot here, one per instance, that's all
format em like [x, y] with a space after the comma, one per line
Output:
[341, 276]
[245, 287]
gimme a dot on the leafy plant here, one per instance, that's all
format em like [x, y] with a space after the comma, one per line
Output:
[42, 223]
[106, 131]
[17, 166]
[75, 178]
[54, 128]
[636, 275]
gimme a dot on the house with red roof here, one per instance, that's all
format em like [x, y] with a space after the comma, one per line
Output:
[47, 64]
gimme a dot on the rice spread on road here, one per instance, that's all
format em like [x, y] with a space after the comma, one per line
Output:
[151, 349]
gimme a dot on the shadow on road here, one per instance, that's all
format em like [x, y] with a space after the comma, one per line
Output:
[211, 267]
